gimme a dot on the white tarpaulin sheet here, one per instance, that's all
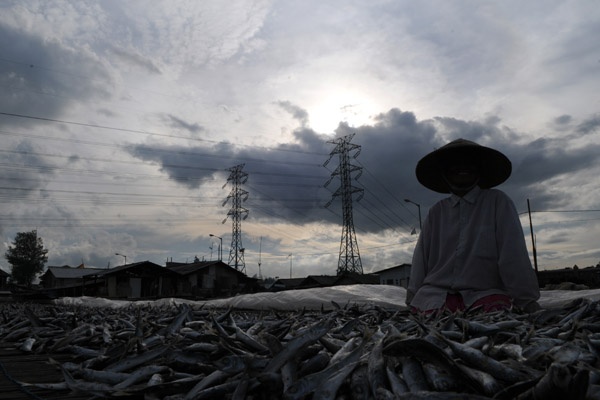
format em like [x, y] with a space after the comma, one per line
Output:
[386, 296]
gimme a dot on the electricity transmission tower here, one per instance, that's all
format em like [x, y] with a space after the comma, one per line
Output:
[238, 213]
[349, 259]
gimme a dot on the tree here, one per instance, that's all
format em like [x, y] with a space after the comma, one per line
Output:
[27, 258]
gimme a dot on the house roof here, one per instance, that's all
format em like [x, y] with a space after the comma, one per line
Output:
[318, 280]
[324, 281]
[3, 273]
[186, 269]
[67, 272]
[283, 284]
[291, 282]
[401, 266]
[365, 279]
[136, 268]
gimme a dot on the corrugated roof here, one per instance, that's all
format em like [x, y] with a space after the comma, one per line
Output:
[392, 268]
[132, 266]
[365, 279]
[323, 280]
[186, 269]
[67, 272]
[291, 282]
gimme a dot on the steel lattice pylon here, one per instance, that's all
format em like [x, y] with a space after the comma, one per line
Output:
[349, 259]
[237, 213]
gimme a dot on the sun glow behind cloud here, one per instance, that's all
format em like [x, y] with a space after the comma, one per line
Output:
[339, 105]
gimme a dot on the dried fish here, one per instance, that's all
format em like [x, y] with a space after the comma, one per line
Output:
[359, 383]
[187, 351]
[479, 360]
[27, 345]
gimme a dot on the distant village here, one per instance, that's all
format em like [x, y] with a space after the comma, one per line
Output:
[216, 279]
[195, 280]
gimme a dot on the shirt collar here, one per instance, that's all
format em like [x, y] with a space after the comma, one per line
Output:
[470, 197]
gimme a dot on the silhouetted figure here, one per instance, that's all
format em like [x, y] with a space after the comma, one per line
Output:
[471, 251]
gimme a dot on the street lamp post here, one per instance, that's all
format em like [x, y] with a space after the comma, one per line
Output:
[419, 207]
[220, 246]
[291, 258]
[122, 255]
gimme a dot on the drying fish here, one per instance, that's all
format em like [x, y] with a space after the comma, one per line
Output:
[439, 379]
[185, 351]
[27, 345]
[309, 335]
[376, 367]
[479, 360]
[359, 383]
[136, 360]
[559, 383]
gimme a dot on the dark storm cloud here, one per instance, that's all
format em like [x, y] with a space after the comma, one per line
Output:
[558, 237]
[563, 120]
[183, 164]
[589, 126]
[286, 181]
[544, 159]
[24, 172]
[178, 123]
[30, 80]
[538, 164]
[298, 113]
[389, 153]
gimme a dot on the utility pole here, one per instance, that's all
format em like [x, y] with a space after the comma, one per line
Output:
[220, 249]
[419, 208]
[349, 258]
[237, 213]
[532, 238]
[259, 258]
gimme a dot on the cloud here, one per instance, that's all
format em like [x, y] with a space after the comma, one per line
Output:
[136, 60]
[286, 181]
[43, 77]
[563, 120]
[588, 126]
[187, 34]
[298, 113]
[178, 123]
[24, 171]
[93, 247]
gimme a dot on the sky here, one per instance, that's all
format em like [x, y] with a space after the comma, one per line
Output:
[121, 121]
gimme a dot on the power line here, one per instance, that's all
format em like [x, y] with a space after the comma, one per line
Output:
[175, 166]
[385, 188]
[385, 208]
[559, 211]
[29, 65]
[564, 211]
[148, 133]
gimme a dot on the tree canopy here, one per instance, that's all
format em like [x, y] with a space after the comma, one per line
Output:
[27, 257]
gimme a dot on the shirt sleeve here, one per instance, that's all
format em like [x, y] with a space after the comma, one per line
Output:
[514, 264]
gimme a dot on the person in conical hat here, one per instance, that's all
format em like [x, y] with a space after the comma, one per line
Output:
[471, 252]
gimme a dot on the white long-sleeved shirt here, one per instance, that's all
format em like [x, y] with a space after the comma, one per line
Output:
[473, 245]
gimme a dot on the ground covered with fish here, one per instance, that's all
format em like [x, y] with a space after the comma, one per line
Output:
[351, 352]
